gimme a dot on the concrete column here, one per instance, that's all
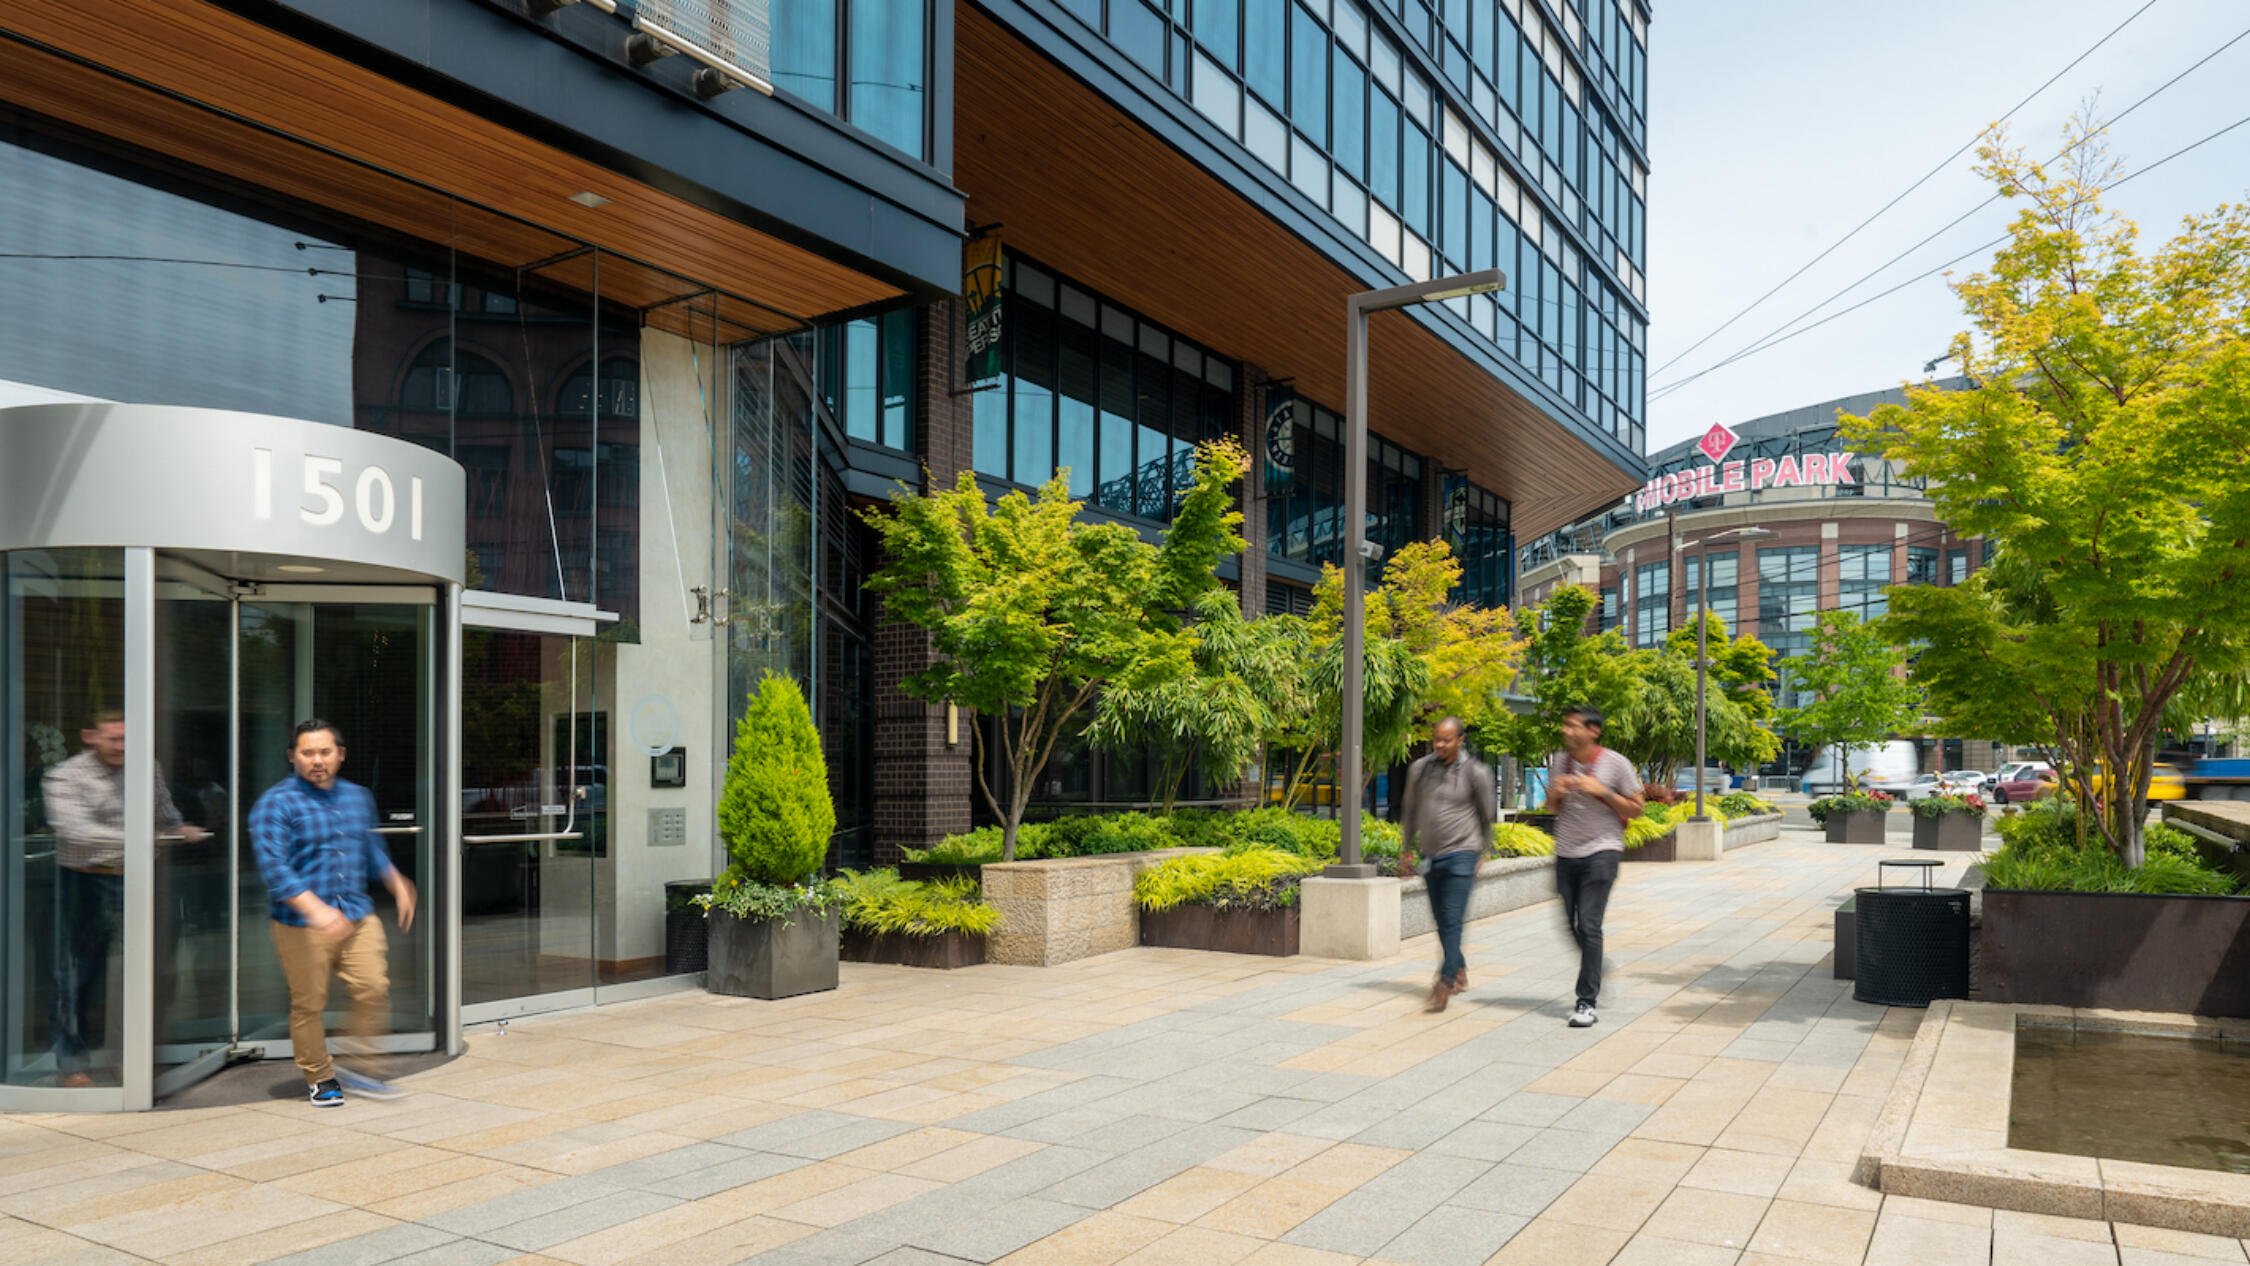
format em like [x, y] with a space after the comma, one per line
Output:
[1353, 919]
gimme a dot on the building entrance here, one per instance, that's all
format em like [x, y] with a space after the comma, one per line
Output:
[238, 665]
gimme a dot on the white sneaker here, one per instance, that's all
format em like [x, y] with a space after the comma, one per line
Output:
[365, 1086]
[1583, 1017]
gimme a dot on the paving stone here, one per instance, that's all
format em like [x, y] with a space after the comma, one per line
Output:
[1001, 1230]
[516, 1206]
[1532, 1108]
[550, 1229]
[1523, 1190]
[388, 1244]
[1485, 1140]
[1563, 1149]
[858, 1133]
[829, 1248]
[457, 1253]
[1367, 1219]
[1452, 1236]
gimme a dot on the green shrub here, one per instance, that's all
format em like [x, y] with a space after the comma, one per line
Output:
[2041, 852]
[767, 903]
[1202, 828]
[880, 901]
[1741, 804]
[774, 811]
[1255, 879]
[1645, 830]
[1849, 802]
[1093, 835]
[982, 846]
[1517, 839]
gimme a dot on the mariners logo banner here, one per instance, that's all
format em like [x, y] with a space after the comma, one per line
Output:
[981, 282]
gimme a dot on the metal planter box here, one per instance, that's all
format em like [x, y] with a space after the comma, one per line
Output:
[944, 951]
[1860, 826]
[1665, 848]
[779, 958]
[1950, 832]
[2117, 950]
[1270, 932]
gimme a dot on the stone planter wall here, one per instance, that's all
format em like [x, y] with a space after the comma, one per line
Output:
[1664, 848]
[1508, 883]
[1756, 829]
[1063, 909]
[2116, 951]
[1858, 827]
[1270, 932]
[1950, 832]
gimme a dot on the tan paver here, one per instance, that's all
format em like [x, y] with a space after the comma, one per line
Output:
[1814, 1233]
[1715, 1218]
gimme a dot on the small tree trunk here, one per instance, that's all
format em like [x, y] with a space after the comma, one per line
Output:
[1008, 837]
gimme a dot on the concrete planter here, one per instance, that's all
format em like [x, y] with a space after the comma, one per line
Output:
[2117, 951]
[1504, 884]
[1270, 932]
[1860, 826]
[778, 958]
[1950, 832]
[944, 951]
[1059, 910]
[1756, 829]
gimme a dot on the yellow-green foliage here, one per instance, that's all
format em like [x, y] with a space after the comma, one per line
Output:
[774, 810]
[1518, 839]
[880, 901]
[1645, 830]
[1740, 804]
[1258, 879]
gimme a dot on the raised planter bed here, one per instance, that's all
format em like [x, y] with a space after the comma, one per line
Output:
[1752, 829]
[1860, 826]
[925, 871]
[1664, 848]
[2117, 951]
[1270, 932]
[1059, 910]
[1950, 832]
[1503, 884]
[944, 951]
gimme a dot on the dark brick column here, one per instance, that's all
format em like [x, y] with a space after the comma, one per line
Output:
[923, 783]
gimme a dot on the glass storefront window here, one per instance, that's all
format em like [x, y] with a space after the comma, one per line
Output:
[1476, 525]
[62, 861]
[1305, 498]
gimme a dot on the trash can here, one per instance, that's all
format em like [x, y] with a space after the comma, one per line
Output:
[686, 949]
[1912, 942]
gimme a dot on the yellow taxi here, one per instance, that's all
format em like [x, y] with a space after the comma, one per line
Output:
[2164, 783]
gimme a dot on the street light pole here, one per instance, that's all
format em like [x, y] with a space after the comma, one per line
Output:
[1703, 631]
[1356, 311]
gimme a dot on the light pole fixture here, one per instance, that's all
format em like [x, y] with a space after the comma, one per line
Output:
[1356, 550]
[1702, 627]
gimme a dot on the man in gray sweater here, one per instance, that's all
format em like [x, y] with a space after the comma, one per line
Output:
[1450, 804]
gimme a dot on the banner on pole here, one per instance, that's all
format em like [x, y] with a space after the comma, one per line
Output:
[981, 279]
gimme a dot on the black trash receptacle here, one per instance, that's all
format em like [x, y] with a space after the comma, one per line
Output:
[686, 947]
[1912, 945]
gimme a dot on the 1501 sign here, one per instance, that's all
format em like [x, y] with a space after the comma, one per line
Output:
[329, 492]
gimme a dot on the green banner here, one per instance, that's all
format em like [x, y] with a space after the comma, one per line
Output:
[981, 279]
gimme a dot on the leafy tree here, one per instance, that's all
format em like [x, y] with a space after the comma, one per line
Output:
[1860, 692]
[2101, 453]
[1655, 726]
[1031, 611]
[1561, 666]
[775, 813]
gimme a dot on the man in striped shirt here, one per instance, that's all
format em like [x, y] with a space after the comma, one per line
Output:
[314, 833]
[1593, 792]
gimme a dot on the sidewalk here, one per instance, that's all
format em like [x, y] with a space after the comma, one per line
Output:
[1152, 1106]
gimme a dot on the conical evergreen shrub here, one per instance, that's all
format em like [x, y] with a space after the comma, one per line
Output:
[774, 812]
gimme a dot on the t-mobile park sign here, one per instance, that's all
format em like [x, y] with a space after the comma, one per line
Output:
[1802, 470]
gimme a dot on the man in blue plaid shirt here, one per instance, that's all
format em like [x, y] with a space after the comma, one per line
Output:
[314, 833]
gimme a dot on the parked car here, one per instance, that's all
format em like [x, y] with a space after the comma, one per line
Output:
[2026, 782]
[1872, 764]
[1715, 781]
[1919, 787]
[1964, 781]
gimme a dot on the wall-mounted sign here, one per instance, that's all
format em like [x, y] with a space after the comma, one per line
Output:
[1802, 470]
[1281, 435]
[981, 283]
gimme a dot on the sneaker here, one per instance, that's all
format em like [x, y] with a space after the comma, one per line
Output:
[1583, 1017]
[365, 1086]
[328, 1094]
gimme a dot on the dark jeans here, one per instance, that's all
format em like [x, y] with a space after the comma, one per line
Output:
[1451, 877]
[1584, 883]
[92, 912]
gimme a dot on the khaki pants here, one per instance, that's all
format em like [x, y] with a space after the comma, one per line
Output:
[362, 960]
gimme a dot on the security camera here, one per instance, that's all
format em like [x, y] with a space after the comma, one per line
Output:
[1371, 551]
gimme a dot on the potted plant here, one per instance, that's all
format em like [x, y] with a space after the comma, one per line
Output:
[914, 923]
[772, 920]
[1950, 823]
[1855, 817]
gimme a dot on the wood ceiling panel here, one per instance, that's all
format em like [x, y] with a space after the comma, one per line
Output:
[237, 67]
[1077, 183]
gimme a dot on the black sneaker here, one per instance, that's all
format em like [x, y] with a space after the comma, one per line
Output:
[1583, 1017]
[328, 1094]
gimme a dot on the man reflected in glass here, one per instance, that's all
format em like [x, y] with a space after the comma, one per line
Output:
[85, 806]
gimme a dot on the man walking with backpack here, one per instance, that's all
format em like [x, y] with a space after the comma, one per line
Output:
[1592, 792]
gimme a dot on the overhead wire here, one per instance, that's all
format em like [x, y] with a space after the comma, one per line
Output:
[1902, 195]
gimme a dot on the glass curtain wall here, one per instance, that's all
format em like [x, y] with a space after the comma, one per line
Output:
[877, 50]
[1725, 568]
[1304, 483]
[1476, 526]
[1788, 600]
[771, 520]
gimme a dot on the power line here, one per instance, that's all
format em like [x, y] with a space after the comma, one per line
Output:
[1780, 338]
[1777, 334]
[1903, 194]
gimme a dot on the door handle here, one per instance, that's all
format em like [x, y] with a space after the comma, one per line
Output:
[523, 839]
[398, 830]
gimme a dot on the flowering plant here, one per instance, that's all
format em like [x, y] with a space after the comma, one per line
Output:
[1942, 803]
[1849, 802]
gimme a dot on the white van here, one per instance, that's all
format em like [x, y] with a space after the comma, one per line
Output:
[1894, 759]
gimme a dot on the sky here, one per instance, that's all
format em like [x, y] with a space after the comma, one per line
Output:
[1774, 129]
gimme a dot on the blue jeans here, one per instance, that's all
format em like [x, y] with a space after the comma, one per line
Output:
[92, 910]
[1451, 877]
